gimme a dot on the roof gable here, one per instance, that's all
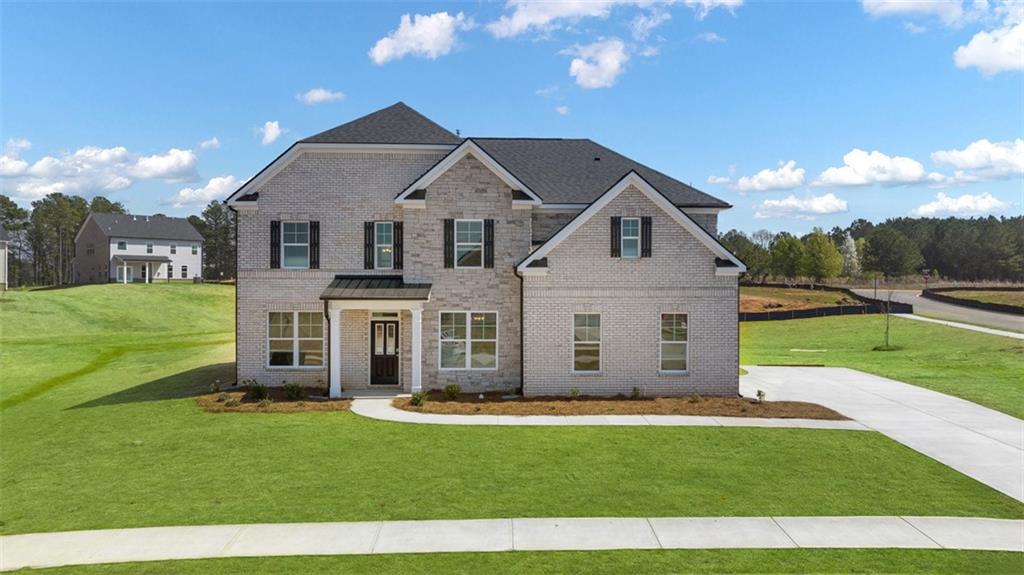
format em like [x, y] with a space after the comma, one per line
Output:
[467, 148]
[396, 124]
[636, 180]
[144, 227]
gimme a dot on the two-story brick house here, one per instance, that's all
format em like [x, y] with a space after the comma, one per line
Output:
[390, 253]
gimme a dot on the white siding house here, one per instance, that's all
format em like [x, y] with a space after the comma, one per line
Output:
[127, 248]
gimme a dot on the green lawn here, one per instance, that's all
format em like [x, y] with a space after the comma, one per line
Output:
[978, 367]
[100, 430]
[598, 562]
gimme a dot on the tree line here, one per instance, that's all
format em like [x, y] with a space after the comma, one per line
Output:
[42, 238]
[975, 249]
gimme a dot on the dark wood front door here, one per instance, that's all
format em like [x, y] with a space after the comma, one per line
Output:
[383, 353]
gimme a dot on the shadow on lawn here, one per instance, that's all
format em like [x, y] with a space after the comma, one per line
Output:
[180, 385]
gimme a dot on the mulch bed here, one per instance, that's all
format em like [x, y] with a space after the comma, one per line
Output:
[238, 400]
[494, 404]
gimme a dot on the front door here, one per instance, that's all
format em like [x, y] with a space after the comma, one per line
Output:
[383, 353]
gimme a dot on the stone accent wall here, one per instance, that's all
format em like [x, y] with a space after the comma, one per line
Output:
[630, 295]
[469, 190]
[707, 221]
[547, 224]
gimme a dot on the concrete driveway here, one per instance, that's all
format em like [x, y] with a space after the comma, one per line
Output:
[940, 310]
[979, 442]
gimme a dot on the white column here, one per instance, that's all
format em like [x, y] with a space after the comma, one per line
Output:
[417, 349]
[335, 351]
[149, 271]
[124, 275]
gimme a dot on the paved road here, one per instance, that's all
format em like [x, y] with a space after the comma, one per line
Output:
[940, 310]
[521, 534]
[979, 442]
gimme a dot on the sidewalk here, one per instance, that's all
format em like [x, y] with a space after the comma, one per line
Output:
[482, 535]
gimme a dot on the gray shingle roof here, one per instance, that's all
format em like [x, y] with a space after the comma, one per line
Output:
[563, 171]
[374, 287]
[397, 124]
[146, 227]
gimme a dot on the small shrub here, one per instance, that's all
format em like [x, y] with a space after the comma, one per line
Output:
[452, 390]
[258, 391]
[574, 393]
[222, 397]
[696, 398]
[637, 394]
[294, 392]
[418, 398]
[760, 396]
[233, 402]
[214, 387]
[265, 403]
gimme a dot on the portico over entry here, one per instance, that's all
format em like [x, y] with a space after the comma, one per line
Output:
[384, 297]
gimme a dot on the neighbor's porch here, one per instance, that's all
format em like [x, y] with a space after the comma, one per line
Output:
[141, 269]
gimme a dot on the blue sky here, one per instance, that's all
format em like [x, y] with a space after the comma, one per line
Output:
[799, 114]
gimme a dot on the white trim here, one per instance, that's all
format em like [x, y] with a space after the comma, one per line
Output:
[468, 340]
[334, 352]
[634, 179]
[376, 245]
[283, 244]
[600, 344]
[580, 207]
[467, 147]
[298, 148]
[686, 342]
[416, 331]
[295, 339]
[376, 304]
[456, 242]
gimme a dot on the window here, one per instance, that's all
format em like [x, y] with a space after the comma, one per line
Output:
[586, 342]
[295, 339]
[174, 248]
[184, 272]
[149, 248]
[170, 270]
[89, 249]
[469, 340]
[195, 249]
[630, 237]
[469, 243]
[295, 245]
[384, 245]
[673, 342]
[122, 245]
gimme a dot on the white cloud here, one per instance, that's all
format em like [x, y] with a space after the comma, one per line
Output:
[320, 96]
[965, 205]
[999, 50]
[217, 188]
[271, 131]
[598, 65]
[863, 168]
[541, 16]
[710, 37]
[563, 110]
[547, 91]
[984, 159]
[643, 24]
[719, 180]
[806, 208]
[914, 28]
[17, 145]
[428, 36]
[787, 177]
[89, 170]
[949, 11]
[211, 144]
[650, 51]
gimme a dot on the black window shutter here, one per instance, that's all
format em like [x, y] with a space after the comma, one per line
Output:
[449, 243]
[488, 243]
[314, 245]
[275, 244]
[616, 236]
[645, 237]
[368, 245]
[398, 245]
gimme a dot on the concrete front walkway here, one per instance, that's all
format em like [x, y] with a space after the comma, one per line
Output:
[483, 535]
[381, 408]
[966, 326]
[976, 441]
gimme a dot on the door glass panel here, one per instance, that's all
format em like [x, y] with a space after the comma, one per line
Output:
[391, 339]
[378, 339]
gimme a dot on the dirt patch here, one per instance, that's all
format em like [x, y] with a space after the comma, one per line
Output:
[789, 300]
[239, 400]
[494, 404]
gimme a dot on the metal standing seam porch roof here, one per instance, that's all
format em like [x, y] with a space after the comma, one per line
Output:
[366, 287]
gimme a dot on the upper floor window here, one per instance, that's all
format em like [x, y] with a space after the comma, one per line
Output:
[195, 249]
[630, 237]
[294, 244]
[673, 342]
[469, 243]
[384, 245]
[586, 342]
[149, 248]
[174, 248]
[122, 245]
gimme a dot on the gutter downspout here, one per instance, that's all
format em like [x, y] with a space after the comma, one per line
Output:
[235, 218]
[522, 338]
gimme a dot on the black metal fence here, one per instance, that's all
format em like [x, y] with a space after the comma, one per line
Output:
[868, 305]
[937, 295]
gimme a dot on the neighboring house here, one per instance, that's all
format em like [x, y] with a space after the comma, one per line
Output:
[5, 240]
[128, 248]
[389, 252]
